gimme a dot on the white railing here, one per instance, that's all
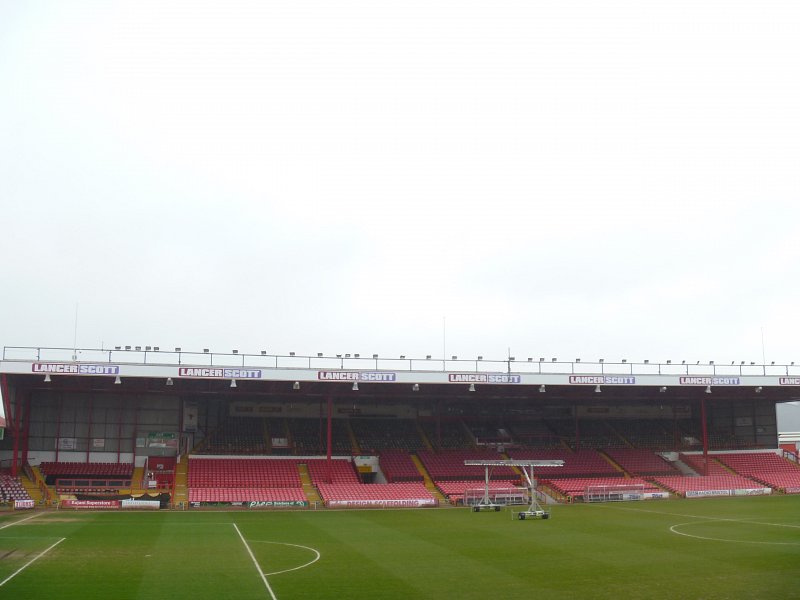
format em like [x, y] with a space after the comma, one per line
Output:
[154, 355]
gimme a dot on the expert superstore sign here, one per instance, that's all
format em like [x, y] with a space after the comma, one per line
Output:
[219, 373]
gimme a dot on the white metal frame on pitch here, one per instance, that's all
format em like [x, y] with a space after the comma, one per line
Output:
[535, 511]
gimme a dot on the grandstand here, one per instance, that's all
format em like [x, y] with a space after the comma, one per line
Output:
[270, 433]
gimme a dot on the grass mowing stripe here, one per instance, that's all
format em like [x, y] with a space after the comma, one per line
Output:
[20, 521]
[29, 563]
[255, 562]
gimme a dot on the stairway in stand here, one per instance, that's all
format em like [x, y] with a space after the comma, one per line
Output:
[429, 485]
[180, 496]
[309, 489]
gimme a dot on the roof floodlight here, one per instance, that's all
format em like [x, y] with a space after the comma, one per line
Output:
[156, 348]
[530, 359]
[138, 348]
[235, 351]
[597, 389]
[148, 348]
[542, 389]
[206, 350]
[541, 359]
[292, 354]
[296, 385]
[169, 381]
[117, 380]
[127, 347]
[662, 389]
[427, 357]
[374, 356]
[758, 389]
[480, 358]
[454, 357]
[47, 378]
[647, 361]
[471, 387]
[233, 383]
[415, 387]
[117, 347]
[176, 349]
[555, 359]
[669, 362]
[263, 353]
[402, 357]
[355, 386]
[708, 389]
[356, 356]
[602, 360]
[577, 360]
[319, 354]
[711, 362]
[624, 360]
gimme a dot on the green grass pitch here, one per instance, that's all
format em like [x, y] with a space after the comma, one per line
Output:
[706, 549]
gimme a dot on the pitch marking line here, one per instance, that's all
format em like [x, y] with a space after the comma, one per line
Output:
[309, 563]
[716, 539]
[715, 519]
[20, 521]
[30, 562]
[255, 562]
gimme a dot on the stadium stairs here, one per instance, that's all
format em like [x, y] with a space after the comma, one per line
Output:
[356, 447]
[613, 463]
[32, 486]
[423, 436]
[180, 494]
[46, 492]
[309, 489]
[429, 484]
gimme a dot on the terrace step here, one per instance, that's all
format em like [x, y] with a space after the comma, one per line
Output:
[429, 484]
[309, 489]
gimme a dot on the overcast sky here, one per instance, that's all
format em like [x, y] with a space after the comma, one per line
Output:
[587, 179]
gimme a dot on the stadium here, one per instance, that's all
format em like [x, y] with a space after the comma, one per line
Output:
[144, 437]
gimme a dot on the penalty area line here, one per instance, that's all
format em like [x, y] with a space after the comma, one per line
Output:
[29, 563]
[255, 562]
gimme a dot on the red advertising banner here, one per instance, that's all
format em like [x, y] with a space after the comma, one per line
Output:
[405, 503]
[90, 504]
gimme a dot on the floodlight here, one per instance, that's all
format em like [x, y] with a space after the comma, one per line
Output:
[374, 356]
[355, 386]
[169, 381]
[292, 354]
[356, 356]
[176, 349]
[708, 389]
[233, 383]
[427, 357]
[597, 389]
[47, 378]
[758, 389]
[235, 351]
[542, 389]
[662, 389]
[263, 353]
[415, 387]
[139, 349]
[296, 385]
[205, 350]
[471, 387]
[117, 380]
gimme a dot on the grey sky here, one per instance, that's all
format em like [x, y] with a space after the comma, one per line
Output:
[584, 179]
